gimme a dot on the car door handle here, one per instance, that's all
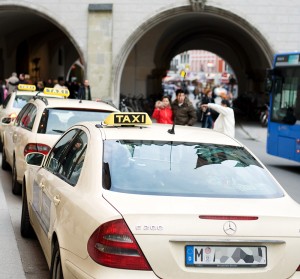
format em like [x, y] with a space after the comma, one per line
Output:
[15, 137]
[56, 200]
[42, 186]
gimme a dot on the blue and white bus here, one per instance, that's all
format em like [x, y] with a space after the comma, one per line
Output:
[283, 82]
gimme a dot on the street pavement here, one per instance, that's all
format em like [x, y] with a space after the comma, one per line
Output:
[10, 261]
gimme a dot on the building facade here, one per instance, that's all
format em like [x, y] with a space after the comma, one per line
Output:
[125, 46]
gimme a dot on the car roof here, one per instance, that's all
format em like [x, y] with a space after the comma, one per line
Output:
[29, 93]
[34, 93]
[160, 132]
[78, 104]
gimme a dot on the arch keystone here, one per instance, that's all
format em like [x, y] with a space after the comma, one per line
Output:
[198, 5]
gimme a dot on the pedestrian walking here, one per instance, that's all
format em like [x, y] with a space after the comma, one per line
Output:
[84, 92]
[12, 82]
[49, 83]
[73, 88]
[60, 83]
[22, 79]
[2, 98]
[207, 120]
[225, 123]
[40, 86]
[163, 112]
[184, 112]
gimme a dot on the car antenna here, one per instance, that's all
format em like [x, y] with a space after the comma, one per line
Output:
[172, 131]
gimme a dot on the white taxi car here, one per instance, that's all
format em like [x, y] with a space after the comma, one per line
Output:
[119, 199]
[13, 103]
[40, 123]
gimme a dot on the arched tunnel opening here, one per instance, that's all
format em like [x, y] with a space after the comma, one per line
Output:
[214, 30]
[200, 73]
[34, 44]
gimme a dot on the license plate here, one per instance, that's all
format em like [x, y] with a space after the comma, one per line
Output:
[226, 256]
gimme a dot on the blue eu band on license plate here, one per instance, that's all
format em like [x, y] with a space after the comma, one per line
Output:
[226, 256]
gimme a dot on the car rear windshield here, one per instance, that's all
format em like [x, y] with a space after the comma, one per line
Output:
[21, 100]
[168, 168]
[57, 121]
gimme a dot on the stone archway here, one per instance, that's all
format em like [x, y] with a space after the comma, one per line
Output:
[44, 37]
[147, 53]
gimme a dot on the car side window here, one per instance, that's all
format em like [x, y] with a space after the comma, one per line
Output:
[72, 163]
[28, 118]
[56, 155]
[21, 114]
[6, 100]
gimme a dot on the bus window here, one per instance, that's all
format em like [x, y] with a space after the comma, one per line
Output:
[285, 102]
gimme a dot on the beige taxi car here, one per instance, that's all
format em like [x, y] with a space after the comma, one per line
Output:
[40, 123]
[14, 102]
[122, 199]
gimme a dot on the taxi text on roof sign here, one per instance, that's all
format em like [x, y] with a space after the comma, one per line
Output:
[26, 87]
[57, 91]
[128, 118]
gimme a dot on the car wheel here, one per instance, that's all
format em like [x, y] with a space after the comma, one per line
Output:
[5, 165]
[56, 268]
[26, 228]
[16, 186]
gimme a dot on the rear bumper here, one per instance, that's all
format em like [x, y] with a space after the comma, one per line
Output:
[78, 268]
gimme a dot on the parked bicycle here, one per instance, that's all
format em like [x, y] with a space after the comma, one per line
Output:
[124, 107]
[264, 115]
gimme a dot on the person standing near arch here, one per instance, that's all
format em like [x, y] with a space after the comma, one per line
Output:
[183, 110]
[84, 92]
[226, 121]
[12, 82]
[163, 112]
[60, 84]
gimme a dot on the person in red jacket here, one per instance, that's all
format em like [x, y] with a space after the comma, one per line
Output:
[163, 112]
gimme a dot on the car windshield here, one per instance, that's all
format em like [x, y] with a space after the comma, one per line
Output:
[57, 121]
[21, 100]
[185, 169]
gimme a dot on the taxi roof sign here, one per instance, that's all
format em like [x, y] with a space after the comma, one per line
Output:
[57, 91]
[128, 119]
[26, 87]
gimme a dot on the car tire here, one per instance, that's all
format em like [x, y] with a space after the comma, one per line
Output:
[56, 268]
[5, 165]
[16, 186]
[26, 228]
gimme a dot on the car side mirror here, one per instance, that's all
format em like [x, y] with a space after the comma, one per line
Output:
[6, 120]
[34, 158]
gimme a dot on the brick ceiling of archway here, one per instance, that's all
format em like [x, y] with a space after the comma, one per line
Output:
[13, 22]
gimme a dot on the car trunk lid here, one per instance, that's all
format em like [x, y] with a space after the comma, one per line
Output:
[165, 226]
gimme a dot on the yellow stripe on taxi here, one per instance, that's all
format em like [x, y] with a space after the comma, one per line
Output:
[128, 119]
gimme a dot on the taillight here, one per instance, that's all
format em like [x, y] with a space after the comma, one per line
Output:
[36, 147]
[113, 245]
[298, 269]
[225, 217]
